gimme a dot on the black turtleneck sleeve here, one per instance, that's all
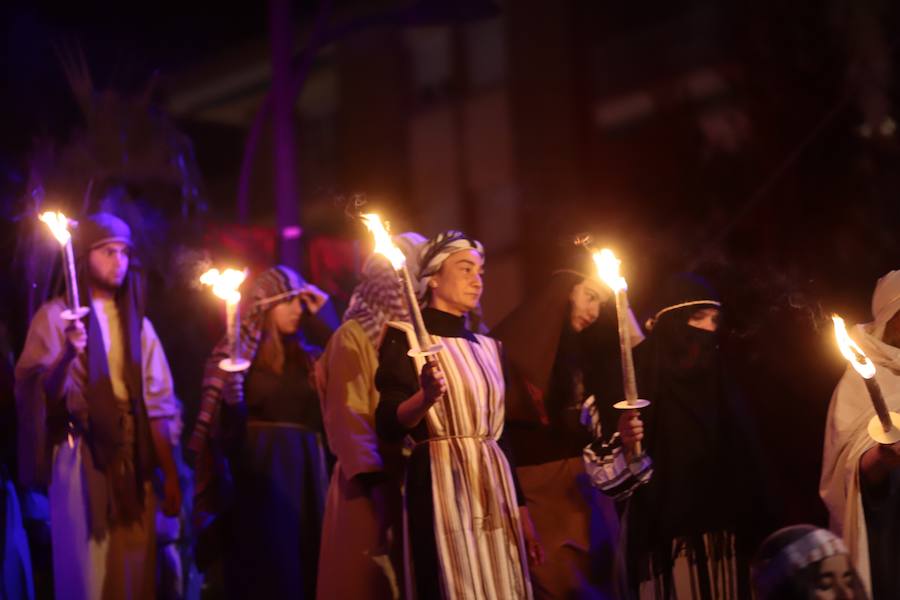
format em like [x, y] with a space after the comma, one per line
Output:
[396, 380]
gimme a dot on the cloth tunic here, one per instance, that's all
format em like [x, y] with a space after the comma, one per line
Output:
[122, 562]
[280, 478]
[461, 499]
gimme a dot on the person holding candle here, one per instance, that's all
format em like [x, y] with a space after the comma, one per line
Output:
[558, 347]
[261, 429]
[469, 532]
[361, 533]
[860, 481]
[689, 532]
[96, 404]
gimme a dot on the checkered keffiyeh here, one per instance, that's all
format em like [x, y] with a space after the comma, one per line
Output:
[378, 298]
[275, 285]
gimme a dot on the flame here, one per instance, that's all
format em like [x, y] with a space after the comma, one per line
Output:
[608, 269]
[225, 284]
[58, 224]
[851, 351]
[383, 243]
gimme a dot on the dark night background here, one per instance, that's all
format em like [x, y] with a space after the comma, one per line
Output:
[748, 140]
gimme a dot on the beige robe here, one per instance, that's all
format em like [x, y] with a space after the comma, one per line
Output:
[360, 554]
[122, 563]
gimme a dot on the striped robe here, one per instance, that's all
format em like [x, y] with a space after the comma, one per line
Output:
[478, 535]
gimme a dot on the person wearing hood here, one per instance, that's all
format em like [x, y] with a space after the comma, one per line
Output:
[804, 562]
[469, 532]
[689, 532]
[361, 530]
[261, 474]
[860, 481]
[95, 405]
[554, 346]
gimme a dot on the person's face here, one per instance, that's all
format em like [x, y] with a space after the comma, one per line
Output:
[705, 318]
[286, 316]
[108, 264]
[586, 299]
[836, 579]
[891, 335]
[457, 287]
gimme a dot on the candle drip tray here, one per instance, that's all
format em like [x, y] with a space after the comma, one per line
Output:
[625, 405]
[877, 432]
[73, 315]
[234, 365]
[429, 351]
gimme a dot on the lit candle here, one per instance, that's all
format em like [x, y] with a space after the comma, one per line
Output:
[884, 427]
[385, 246]
[608, 270]
[225, 285]
[59, 227]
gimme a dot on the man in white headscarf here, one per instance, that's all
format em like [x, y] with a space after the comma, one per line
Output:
[860, 478]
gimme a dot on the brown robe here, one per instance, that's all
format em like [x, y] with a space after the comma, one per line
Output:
[360, 555]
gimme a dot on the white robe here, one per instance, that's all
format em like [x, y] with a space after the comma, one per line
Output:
[846, 435]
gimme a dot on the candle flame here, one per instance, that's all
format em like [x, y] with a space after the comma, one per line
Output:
[383, 243]
[608, 269]
[58, 224]
[225, 284]
[851, 351]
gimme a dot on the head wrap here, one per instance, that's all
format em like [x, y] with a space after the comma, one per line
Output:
[271, 287]
[885, 302]
[378, 298]
[531, 335]
[790, 550]
[685, 292]
[101, 228]
[435, 251]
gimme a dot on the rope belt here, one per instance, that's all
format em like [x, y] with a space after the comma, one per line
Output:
[445, 438]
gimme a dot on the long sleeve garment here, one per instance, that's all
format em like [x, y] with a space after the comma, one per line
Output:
[461, 497]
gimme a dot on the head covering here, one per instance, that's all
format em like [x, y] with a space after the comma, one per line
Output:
[268, 289]
[885, 301]
[101, 228]
[787, 552]
[378, 298]
[531, 335]
[684, 293]
[438, 249]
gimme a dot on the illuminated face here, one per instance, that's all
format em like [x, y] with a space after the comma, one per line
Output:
[585, 300]
[836, 579]
[457, 287]
[108, 264]
[286, 316]
[705, 318]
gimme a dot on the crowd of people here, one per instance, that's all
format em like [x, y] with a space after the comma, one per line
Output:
[350, 462]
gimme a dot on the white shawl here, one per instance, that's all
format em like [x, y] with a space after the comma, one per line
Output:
[846, 437]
